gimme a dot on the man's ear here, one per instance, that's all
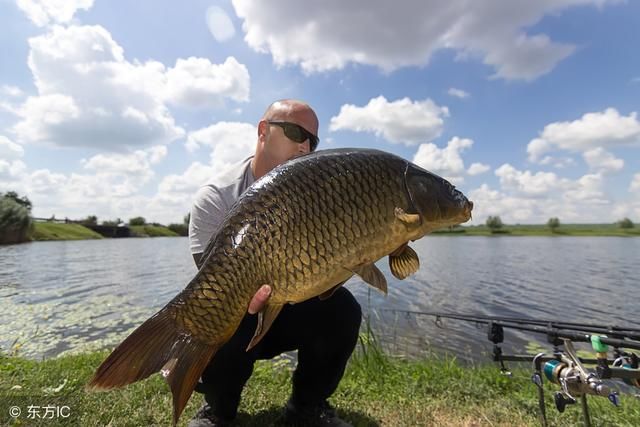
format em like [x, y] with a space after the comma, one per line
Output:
[263, 129]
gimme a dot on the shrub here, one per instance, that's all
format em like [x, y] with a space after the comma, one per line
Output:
[137, 221]
[16, 223]
[625, 223]
[494, 223]
[553, 223]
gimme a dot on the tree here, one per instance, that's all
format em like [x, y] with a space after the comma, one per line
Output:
[625, 223]
[137, 221]
[187, 218]
[494, 223]
[179, 229]
[553, 223]
[16, 223]
[90, 220]
[22, 201]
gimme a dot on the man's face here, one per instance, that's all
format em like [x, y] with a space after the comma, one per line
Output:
[277, 147]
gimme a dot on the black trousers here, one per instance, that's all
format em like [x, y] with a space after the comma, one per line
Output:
[324, 333]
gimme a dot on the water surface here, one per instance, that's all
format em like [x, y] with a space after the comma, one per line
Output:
[57, 297]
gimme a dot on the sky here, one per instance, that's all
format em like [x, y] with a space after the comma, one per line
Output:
[121, 109]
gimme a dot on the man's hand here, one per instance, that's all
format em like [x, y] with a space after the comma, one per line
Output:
[259, 299]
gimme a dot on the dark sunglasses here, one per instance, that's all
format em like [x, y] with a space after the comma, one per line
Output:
[297, 133]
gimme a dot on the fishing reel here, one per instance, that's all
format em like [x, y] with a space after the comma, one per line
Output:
[575, 381]
[630, 362]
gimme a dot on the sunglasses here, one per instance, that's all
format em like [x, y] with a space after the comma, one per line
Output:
[297, 133]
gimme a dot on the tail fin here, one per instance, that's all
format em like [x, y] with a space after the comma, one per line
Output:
[157, 345]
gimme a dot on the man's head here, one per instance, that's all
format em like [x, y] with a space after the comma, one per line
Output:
[280, 131]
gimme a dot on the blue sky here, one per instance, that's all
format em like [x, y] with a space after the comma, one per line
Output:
[119, 109]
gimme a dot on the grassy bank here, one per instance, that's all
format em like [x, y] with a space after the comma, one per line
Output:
[543, 230]
[60, 231]
[151, 231]
[376, 390]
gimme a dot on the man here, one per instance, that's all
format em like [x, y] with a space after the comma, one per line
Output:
[323, 332]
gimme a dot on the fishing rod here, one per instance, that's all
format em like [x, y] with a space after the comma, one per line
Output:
[564, 367]
[631, 333]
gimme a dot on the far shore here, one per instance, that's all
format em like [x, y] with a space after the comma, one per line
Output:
[44, 231]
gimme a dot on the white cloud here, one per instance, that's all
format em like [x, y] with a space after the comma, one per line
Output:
[220, 24]
[402, 121]
[527, 183]
[495, 31]
[196, 82]
[44, 12]
[458, 93]
[527, 197]
[635, 183]
[13, 91]
[446, 162]
[11, 170]
[593, 130]
[477, 169]
[90, 95]
[600, 160]
[230, 142]
[9, 150]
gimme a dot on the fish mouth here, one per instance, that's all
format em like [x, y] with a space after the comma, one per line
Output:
[467, 210]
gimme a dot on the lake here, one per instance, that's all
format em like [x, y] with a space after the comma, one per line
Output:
[60, 297]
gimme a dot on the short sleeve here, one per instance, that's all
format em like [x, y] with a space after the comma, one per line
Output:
[207, 213]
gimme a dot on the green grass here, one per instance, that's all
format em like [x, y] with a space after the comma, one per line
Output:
[543, 230]
[59, 231]
[151, 231]
[376, 390]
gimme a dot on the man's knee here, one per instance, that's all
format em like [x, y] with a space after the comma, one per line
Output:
[350, 312]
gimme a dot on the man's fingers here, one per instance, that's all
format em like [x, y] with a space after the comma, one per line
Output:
[259, 299]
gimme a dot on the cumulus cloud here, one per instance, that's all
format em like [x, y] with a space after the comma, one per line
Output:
[600, 160]
[9, 150]
[528, 197]
[495, 31]
[528, 183]
[11, 171]
[447, 161]
[593, 130]
[477, 169]
[402, 121]
[220, 24]
[230, 142]
[45, 12]
[458, 93]
[196, 82]
[90, 95]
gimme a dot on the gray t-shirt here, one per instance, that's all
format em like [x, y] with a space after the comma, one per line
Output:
[214, 200]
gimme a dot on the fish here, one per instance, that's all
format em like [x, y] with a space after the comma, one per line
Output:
[305, 228]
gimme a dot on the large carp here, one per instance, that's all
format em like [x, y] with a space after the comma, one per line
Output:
[304, 228]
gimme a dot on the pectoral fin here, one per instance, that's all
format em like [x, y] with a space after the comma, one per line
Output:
[407, 218]
[327, 294]
[373, 276]
[404, 263]
[265, 320]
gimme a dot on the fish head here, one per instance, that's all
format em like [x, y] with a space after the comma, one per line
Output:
[436, 199]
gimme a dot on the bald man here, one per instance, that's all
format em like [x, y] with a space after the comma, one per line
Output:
[323, 332]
